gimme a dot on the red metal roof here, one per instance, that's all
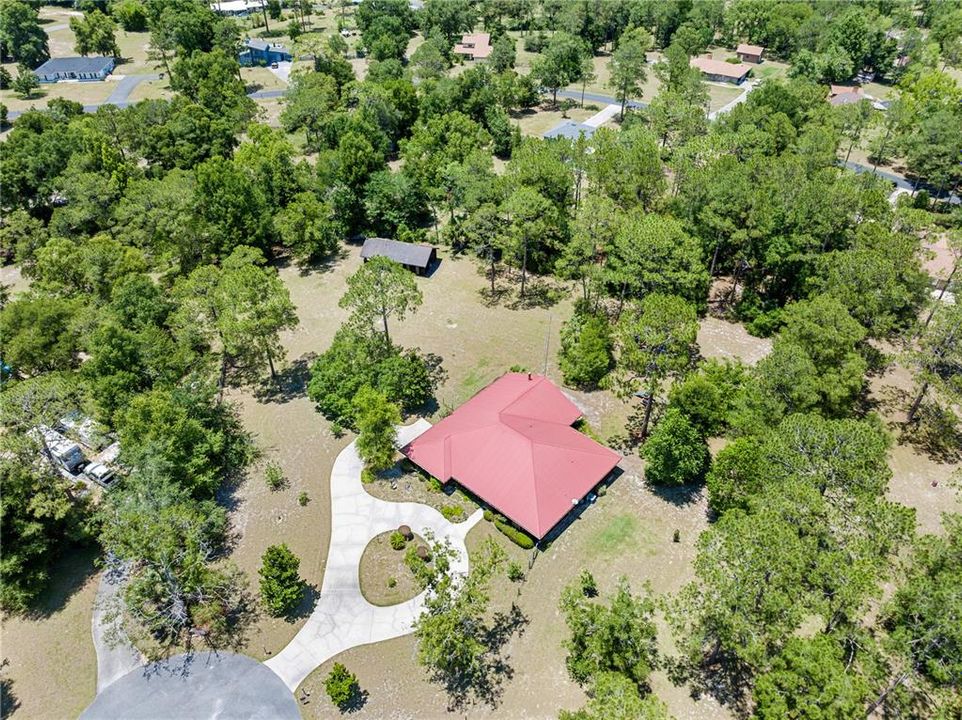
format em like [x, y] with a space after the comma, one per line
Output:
[513, 446]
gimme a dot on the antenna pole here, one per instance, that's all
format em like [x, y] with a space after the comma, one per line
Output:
[547, 336]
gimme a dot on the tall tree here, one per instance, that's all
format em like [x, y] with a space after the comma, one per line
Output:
[95, 33]
[380, 289]
[561, 63]
[628, 67]
[655, 339]
[21, 37]
[238, 309]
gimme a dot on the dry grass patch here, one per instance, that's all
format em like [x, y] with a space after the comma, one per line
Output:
[381, 565]
[53, 666]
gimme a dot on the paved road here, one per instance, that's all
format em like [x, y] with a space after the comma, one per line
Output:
[594, 98]
[342, 618]
[201, 686]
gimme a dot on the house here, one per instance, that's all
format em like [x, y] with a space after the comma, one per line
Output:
[845, 94]
[513, 446]
[259, 52]
[474, 47]
[750, 53]
[570, 130]
[721, 71]
[84, 69]
[237, 8]
[415, 257]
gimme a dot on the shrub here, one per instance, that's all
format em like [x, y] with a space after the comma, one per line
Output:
[303, 499]
[586, 350]
[515, 571]
[341, 686]
[518, 537]
[337, 430]
[281, 586]
[488, 515]
[397, 540]
[452, 512]
[434, 485]
[534, 43]
[589, 588]
[274, 476]
[391, 582]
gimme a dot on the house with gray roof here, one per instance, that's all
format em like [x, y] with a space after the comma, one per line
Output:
[415, 257]
[84, 69]
[570, 130]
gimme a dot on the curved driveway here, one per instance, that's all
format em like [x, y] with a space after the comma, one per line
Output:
[342, 618]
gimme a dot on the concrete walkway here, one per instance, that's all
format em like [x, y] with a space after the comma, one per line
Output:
[600, 118]
[116, 656]
[342, 618]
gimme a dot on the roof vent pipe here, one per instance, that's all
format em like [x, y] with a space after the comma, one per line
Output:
[529, 376]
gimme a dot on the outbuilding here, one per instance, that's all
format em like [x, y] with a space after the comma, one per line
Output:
[750, 53]
[415, 257]
[83, 69]
[513, 446]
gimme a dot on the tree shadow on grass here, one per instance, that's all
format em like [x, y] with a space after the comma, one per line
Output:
[677, 495]
[539, 293]
[486, 686]
[935, 433]
[289, 384]
[9, 702]
[724, 681]
[69, 574]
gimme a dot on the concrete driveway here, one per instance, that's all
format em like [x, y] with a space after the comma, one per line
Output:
[201, 686]
[342, 618]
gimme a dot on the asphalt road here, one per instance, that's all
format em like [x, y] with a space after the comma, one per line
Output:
[201, 686]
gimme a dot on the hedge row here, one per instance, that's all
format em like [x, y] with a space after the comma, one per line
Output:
[518, 537]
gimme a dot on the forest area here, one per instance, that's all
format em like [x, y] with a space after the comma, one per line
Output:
[148, 245]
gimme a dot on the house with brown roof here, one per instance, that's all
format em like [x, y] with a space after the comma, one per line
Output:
[750, 53]
[845, 94]
[721, 71]
[474, 47]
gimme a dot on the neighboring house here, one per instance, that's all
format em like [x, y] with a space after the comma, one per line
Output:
[721, 71]
[260, 52]
[845, 94]
[474, 47]
[750, 53]
[86, 69]
[570, 130]
[513, 446]
[415, 257]
[237, 8]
